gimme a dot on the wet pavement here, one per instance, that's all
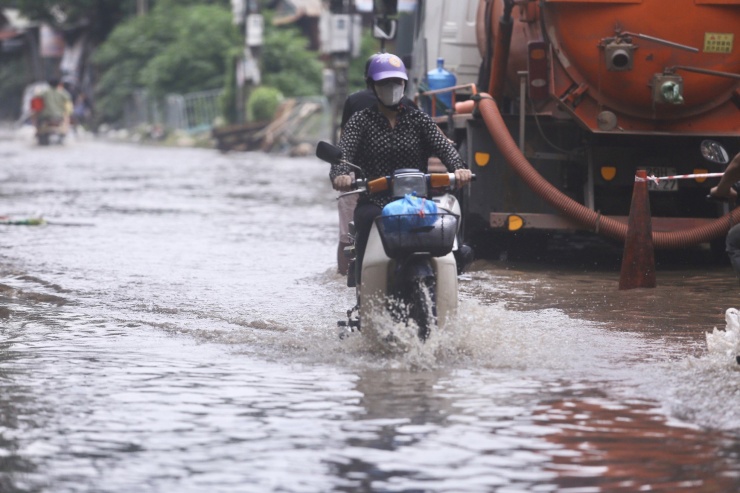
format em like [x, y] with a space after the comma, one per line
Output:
[172, 329]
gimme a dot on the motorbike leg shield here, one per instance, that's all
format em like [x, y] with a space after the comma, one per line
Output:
[464, 256]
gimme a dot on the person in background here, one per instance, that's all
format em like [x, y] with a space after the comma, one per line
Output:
[387, 137]
[57, 103]
[81, 112]
[355, 102]
[724, 190]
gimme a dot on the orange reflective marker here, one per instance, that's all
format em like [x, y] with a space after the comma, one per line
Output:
[608, 172]
[482, 158]
[700, 171]
[514, 222]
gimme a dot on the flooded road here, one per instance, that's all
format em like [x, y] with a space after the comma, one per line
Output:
[172, 329]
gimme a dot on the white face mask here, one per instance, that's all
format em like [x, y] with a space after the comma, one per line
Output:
[389, 94]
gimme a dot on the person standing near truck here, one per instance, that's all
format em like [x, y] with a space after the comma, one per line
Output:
[724, 190]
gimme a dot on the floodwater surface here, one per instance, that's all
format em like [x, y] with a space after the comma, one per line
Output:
[172, 328]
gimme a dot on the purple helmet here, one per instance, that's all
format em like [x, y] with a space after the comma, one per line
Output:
[386, 66]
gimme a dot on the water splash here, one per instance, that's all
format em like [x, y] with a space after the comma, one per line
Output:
[724, 345]
[488, 336]
[699, 389]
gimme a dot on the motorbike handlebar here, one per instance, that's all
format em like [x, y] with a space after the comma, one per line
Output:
[378, 185]
[434, 180]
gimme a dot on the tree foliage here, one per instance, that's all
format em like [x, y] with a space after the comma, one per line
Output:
[288, 65]
[263, 103]
[12, 82]
[174, 49]
[196, 56]
[368, 46]
[99, 16]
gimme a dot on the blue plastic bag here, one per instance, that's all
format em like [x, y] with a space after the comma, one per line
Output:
[409, 213]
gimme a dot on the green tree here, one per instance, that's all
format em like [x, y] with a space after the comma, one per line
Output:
[12, 82]
[288, 64]
[263, 103]
[368, 46]
[174, 49]
[196, 56]
[98, 17]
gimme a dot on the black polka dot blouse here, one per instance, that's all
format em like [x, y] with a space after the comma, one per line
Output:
[369, 142]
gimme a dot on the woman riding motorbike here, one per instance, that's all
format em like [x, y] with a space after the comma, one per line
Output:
[387, 137]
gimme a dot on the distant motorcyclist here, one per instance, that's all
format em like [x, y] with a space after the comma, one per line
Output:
[57, 106]
[387, 137]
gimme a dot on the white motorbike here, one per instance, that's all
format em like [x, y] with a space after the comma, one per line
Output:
[409, 269]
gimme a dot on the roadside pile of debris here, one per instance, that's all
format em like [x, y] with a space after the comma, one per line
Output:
[298, 125]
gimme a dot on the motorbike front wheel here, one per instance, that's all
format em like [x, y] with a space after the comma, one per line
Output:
[423, 306]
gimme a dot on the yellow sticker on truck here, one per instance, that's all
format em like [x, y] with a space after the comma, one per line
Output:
[718, 42]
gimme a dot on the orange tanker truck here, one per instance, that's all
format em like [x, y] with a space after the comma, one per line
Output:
[558, 103]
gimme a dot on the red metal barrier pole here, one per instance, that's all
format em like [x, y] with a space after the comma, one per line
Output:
[638, 259]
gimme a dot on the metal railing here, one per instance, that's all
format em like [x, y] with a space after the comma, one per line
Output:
[302, 120]
[433, 95]
[193, 112]
[142, 110]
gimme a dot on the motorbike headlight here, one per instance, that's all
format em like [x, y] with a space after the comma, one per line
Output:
[413, 183]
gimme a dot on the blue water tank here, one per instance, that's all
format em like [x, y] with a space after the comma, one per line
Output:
[439, 78]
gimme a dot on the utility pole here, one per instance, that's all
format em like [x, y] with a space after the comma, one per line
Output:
[247, 17]
[341, 41]
[341, 29]
[253, 35]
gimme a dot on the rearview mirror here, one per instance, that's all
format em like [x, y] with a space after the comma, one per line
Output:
[329, 153]
[384, 28]
[713, 151]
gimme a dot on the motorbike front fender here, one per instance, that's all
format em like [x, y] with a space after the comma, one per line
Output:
[416, 267]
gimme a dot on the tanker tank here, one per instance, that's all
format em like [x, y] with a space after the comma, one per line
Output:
[637, 65]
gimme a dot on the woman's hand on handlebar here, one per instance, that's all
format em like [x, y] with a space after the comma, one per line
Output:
[462, 177]
[342, 183]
